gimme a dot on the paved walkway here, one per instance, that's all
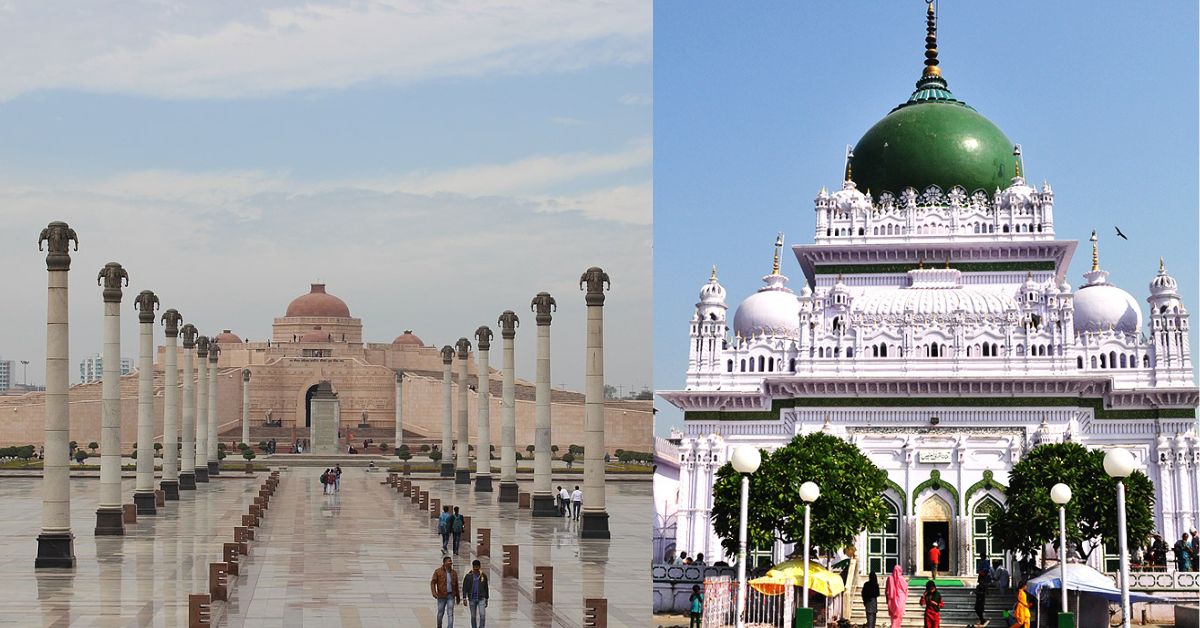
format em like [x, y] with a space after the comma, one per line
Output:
[364, 556]
[140, 579]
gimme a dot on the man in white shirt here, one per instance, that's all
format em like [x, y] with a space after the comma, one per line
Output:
[577, 501]
[564, 501]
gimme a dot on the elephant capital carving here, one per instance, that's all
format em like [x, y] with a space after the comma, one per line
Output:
[145, 303]
[508, 323]
[542, 305]
[447, 354]
[111, 277]
[483, 338]
[58, 238]
[171, 320]
[464, 347]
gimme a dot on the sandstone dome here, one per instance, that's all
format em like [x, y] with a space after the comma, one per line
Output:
[408, 339]
[318, 303]
[227, 337]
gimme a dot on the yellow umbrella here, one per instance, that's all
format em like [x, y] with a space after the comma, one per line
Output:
[791, 573]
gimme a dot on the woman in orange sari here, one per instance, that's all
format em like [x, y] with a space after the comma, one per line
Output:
[1021, 612]
[932, 601]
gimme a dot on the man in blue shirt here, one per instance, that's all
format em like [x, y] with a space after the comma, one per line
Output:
[444, 526]
[444, 587]
[475, 594]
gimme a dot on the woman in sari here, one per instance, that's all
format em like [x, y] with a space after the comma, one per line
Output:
[932, 602]
[1021, 612]
[896, 591]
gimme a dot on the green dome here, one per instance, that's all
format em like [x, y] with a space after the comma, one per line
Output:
[933, 139]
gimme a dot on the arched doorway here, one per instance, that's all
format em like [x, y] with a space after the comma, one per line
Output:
[308, 395]
[883, 545]
[935, 518]
[981, 530]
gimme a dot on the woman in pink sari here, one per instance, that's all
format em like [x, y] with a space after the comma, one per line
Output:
[896, 590]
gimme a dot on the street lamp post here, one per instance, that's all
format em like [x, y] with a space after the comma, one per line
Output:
[746, 459]
[1061, 494]
[1118, 464]
[809, 492]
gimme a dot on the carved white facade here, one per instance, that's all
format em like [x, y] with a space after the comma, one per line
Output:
[940, 334]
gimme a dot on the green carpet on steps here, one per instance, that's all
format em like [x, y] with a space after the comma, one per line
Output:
[941, 582]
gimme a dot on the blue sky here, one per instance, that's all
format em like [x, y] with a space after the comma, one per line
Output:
[753, 110]
[433, 163]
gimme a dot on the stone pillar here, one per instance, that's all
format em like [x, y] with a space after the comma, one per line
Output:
[483, 427]
[594, 519]
[202, 409]
[462, 461]
[56, 543]
[447, 413]
[170, 474]
[246, 406]
[214, 465]
[323, 436]
[187, 427]
[508, 410]
[143, 491]
[399, 410]
[543, 493]
[108, 515]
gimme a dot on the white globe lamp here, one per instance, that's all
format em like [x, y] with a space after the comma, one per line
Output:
[809, 492]
[746, 459]
[1060, 494]
[1119, 464]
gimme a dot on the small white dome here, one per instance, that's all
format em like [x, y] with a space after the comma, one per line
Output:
[1163, 284]
[849, 199]
[1101, 306]
[1017, 195]
[772, 311]
[712, 293]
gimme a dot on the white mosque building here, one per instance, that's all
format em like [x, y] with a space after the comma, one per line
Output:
[936, 328]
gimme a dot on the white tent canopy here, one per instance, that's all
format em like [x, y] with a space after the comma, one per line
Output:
[1083, 578]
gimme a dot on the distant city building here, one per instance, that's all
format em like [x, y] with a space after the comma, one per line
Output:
[6, 374]
[91, 368]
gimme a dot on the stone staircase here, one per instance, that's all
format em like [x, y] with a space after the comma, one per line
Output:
[959, 610]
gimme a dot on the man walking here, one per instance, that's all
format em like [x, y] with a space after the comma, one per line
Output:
[935, 557]
[564, 502]
[475, 594]
[577, 501]
[337, 477]
[456, 527]
[444, 521]
[445, 589]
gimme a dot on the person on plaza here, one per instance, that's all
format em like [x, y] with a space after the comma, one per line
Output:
[1000, 573]
[896, 592]
[870, 597]
[681, 559]
[337, 477]
[1195, 550]
[457, 523]
[564, 501]
[445, 588]
[325, 482]
[1021, 612]
[577, 501]
[932, 602]
[1183, 553]
[935, 557]
[980, 600]
[983, 569]
[697, 607]
[475, 594]
[444, 521]
[699, 559]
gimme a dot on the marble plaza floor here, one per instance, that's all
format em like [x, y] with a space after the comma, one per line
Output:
[140, 579]
[362, 557]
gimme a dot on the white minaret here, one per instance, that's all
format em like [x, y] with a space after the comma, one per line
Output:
[56, 544]
[202, 409]
[708, 330]
[187, 427]
[594, 519]
[214, 465]
[1169, 330]
[509, 490]
[143, 491]
[170, 474]
[543, 493]
[483, 427]
[462, 462]
[399, 410]
[447, 413]
[108, 515]
[246, 406]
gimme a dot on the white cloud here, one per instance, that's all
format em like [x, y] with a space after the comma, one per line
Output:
[632, 98]
[227, 49]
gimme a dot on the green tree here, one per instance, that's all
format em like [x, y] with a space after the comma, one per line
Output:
[93, 446]
[383, 447]
[1029, 519]
[568, 458]
[424, 449]
[851, 495]
[248, 454]
[158, 449]
[73, 446]
[435, 455]
[80, 456]
[403, 452]
[530, 449]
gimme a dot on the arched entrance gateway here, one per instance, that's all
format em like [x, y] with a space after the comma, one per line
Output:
[883, 545]
[935, 525]
[308, 394]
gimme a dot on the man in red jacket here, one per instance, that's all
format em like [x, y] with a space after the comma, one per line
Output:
[935, 557]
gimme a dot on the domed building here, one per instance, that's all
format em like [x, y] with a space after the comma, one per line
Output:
[937, 329]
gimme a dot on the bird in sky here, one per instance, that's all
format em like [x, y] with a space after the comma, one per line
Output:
[1119, 234]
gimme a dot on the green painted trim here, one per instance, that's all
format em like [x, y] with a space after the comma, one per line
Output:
[934, 482]
[899, 491]
[1096, 404]
[966, 267]
[987, 482]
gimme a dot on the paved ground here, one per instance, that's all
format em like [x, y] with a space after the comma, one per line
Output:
[362, 557]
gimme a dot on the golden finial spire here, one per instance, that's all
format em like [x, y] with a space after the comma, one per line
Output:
[1017, 157]
[778, 251]
[714, 272]
[1162, 266]
[1095, 251]
[931, 57]
[849, 158]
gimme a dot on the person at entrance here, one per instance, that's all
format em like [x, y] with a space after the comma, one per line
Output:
[870, 598]
[475, 594]
[932, 602]
[576, 501]
[1021, 613]
[896, 591]
[981, 600]
[445, 589]
[935, 557]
